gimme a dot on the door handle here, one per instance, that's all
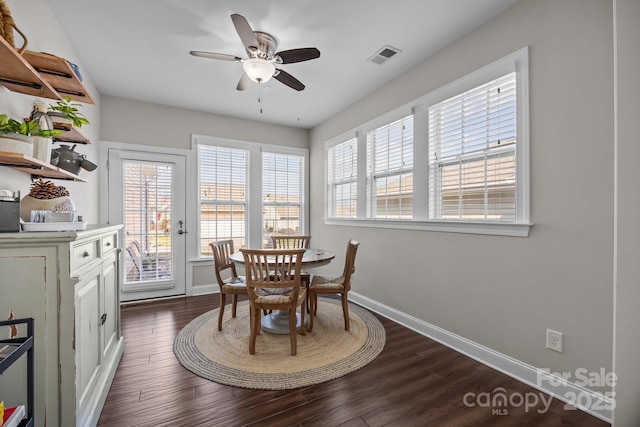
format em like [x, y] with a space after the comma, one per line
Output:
[181, 231]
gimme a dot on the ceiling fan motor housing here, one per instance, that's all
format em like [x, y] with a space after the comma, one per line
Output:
[267, 45]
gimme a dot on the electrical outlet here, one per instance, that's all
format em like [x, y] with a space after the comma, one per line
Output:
[555, 340]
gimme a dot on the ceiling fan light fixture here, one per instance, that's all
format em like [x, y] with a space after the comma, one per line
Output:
[259, 70]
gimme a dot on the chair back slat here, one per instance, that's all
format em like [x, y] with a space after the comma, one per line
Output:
[273, 268]
[290, 242]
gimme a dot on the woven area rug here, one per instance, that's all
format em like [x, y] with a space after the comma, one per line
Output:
[326, 353]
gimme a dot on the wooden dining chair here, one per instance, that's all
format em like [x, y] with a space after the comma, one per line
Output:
[233, 285]
[279, 291]
[334, 285]
[294, 242]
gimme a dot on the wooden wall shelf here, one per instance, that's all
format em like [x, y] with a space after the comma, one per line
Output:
[59, 74]
[69, 134]
[18, 75]
[35, 167]
[39, 74]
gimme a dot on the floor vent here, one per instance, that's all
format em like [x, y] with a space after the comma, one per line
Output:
[384, 54]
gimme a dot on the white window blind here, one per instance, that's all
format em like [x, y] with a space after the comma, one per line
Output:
[390, 170]
[148, 200]
[472, 154]
[282, 195]
[223, 196]
[342, 165]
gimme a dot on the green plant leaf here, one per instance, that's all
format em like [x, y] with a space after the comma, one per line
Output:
[70, 110]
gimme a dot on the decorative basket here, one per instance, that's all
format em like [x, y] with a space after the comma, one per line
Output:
[8, 25]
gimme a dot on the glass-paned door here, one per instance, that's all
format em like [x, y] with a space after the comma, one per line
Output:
[147, 197]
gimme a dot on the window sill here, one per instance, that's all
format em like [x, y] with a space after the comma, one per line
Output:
[491, 229]
[201, 260]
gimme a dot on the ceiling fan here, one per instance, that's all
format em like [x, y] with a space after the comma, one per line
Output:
[263, 58]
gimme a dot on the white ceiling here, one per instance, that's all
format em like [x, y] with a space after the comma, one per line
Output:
[139, 49]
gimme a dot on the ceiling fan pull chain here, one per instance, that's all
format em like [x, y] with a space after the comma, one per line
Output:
[260, 96]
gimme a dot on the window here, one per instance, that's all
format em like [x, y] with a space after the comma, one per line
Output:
[472, 154]
[248, 191]
[342, 163]
[223, 196]
[456, 159]
[282, 192]
[390, 170]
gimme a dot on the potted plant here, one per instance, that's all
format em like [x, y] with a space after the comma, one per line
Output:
[25, 128]
[15, 136]
[68, 111]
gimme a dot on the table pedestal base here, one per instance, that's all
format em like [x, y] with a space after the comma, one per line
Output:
[278, 322]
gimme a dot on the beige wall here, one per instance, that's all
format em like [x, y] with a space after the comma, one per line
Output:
[504, 292]
[143, 123]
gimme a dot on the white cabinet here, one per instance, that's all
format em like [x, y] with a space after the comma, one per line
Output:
[69, 283]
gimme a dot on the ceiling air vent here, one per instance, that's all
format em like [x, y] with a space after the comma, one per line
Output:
[381, 56]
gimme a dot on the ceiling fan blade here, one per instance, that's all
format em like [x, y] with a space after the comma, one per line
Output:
[298, 55]
[287, 79]
[212, 55]
[244, 82]
[244, 31]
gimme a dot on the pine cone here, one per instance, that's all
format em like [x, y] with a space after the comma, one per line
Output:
[47, 190]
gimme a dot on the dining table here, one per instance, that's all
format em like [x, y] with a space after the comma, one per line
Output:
[278, 321]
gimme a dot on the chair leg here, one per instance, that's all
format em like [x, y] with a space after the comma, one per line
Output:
[255, 314]
[311, 309]
[306, 281]
[315, 303]
[345, 311]
[233, 307]
[303, 309]
[292, 330]
[223, 302]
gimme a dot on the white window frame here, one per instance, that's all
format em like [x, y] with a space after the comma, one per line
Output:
[372, 176]
[330, 185]
[440, 158]
[302, 202]
[224, 202]
[518, 62]
[254, 198]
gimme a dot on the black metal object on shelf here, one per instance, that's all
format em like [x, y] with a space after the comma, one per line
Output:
[23, 345]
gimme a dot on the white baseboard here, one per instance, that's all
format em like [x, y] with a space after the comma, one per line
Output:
[575, 395]
[205, 289]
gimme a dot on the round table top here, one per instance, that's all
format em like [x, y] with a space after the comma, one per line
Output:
[311, 257]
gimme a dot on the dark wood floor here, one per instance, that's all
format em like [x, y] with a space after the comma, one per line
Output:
[414, 382]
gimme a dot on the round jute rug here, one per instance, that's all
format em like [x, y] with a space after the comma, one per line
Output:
[326, 353]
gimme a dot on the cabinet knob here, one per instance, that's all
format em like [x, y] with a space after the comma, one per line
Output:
[85, 254]
[107, 244]
[103, 318]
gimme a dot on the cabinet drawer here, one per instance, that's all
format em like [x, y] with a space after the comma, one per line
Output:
[109, 243]
[83, 254]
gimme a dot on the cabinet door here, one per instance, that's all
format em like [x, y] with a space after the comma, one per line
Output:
[29, 284]
[109, 305]
[87, 320]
